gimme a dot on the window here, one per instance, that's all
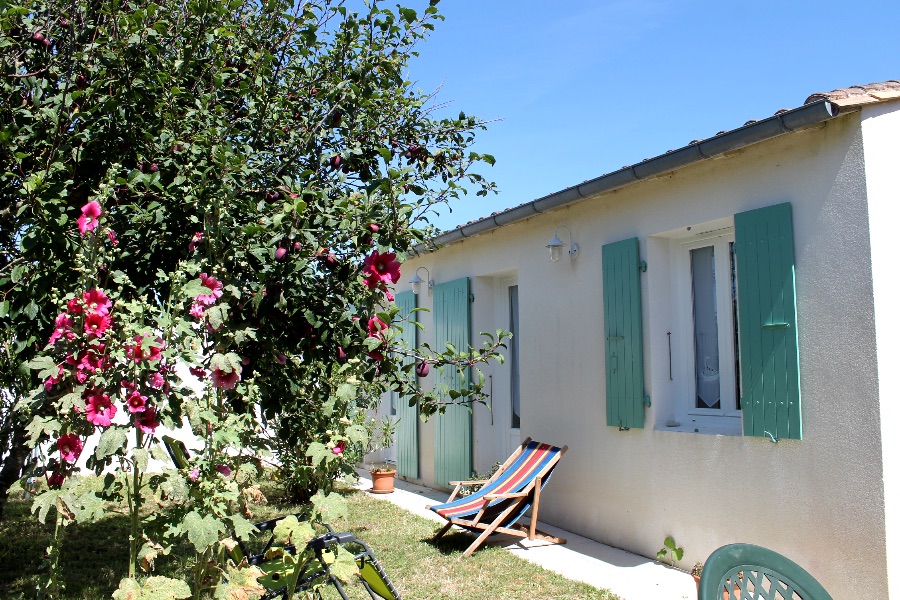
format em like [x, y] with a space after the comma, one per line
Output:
[705, 358]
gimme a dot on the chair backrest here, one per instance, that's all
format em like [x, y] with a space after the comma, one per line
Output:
[748, 571]
[177, 451]
[532, 460]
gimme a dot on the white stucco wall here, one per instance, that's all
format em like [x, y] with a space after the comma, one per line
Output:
[819, 501]
[881, 136]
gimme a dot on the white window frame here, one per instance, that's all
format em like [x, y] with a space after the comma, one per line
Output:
[727, 419]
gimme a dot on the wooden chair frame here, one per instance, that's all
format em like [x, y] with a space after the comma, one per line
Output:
[516, 503]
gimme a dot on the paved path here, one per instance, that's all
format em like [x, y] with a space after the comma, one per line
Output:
[630, 576]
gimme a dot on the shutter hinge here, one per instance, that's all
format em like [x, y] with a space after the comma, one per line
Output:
[642, 266]
[471, 297]
[646, 400]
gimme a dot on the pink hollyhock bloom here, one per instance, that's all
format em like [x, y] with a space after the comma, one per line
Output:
[381, 268]
[376, 355]
[51, 381]
[388, 296]
[338, 448]
[376, 327]
[157, 381]
[90, 217]
[63, 328]
[70, 447]
[56, 480]
[136, 402]
[281, 358]
[197, 310]
[194, 475]
[74, 306]
[225, 380]
[96, 301]
[100, 410]
[113, 239]
[208, 281]
[147, 421]
[138, 352]
[96, 324]
[224, 470]
[198, 372]
[195, 241]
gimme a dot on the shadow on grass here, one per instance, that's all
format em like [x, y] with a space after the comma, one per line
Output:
[452, 542]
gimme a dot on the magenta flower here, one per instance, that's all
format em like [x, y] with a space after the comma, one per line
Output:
[90, 217]
[157, 381]
[224, 470]
[70, 447]
[225, 380]
[138, 352]
[96, 324]
[51, 381]
[212, 283]
[63, 328]
[195, 241]
[100, 410]
[136, 403]
[198, 372]
[339, 448]
[114, 240]
[377, 327]
[197, 310]
[96, 301]
[281, 358]
[147, 421]
[381, 269]
[74, 306]
[56, 479]
[194, 475]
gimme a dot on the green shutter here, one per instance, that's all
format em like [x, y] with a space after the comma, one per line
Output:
[408, 429]
[767, 322]
[453, 429]
[624, 337]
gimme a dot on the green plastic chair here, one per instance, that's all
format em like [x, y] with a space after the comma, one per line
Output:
[749, 572]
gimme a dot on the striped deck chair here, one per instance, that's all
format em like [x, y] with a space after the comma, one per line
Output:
[505, 497]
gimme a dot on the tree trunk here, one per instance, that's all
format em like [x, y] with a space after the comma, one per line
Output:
[15, 460]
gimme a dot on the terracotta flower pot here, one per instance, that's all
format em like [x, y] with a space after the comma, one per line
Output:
[383, 481]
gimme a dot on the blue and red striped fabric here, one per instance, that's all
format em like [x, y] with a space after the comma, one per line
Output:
[527, 466]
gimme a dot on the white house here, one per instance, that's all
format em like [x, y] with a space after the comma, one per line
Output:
[720, 355]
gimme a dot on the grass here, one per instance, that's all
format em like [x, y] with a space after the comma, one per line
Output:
[94, 556]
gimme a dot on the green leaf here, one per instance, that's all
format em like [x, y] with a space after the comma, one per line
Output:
[357, 434]
[202, 532]
[242, 528]
[152, 588]
[291, 530]
[43, 503]
[329, 508]
[344, 566]
[669, 543]
[318, 452]
[41, 426]
[112, 440]
[141, 458]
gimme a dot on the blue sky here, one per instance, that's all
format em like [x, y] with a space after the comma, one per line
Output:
[582, 88]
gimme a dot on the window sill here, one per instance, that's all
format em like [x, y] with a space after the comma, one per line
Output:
[703, 430]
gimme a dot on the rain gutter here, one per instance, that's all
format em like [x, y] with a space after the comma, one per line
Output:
[804, 117]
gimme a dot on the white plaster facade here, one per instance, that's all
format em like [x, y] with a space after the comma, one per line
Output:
[829, 501]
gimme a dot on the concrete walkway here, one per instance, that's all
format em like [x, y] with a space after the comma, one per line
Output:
[630, 576]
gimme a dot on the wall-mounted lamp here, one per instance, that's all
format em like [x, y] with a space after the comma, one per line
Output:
[556, 245]
[417, 281]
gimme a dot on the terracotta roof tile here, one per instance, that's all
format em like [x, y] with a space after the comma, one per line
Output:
[860, 94]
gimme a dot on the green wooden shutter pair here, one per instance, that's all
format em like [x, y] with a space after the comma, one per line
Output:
[453, 429]
[767, 327]
[408, 428]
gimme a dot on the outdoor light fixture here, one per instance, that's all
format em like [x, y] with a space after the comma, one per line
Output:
[416, 282]
[556, 245]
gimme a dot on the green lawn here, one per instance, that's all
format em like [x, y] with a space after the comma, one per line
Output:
[94, 556]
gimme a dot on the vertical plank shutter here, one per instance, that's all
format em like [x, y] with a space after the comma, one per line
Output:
[767, 322]
[624, 336]
[453, 429]
[408, 428]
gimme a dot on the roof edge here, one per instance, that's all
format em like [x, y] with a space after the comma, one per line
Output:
[788, 121]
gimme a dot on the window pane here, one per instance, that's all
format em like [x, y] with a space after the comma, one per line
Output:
[514, 354]
[734, 324]
[706, 329]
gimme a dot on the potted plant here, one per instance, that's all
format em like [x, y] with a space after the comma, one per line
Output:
[696, 572]
[381, 435]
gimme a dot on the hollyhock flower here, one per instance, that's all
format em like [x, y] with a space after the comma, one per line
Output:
[96, 301]
[90, 217]
[376, 355]
[70, 447]
[224, 470]
[112, 237]
[195, 241]
[208, 281]
[388, 295]
[281, 358]
[139, 352]
[225, 380]
[197, 310]
[74, 306]
[56, 479]
[381, 268]
[377, 327]
[157, 381]
[338, 448]
[341, 354]
[100, 410]
[194, 475]
[147, 421]
[51, 381]
[136, 402]
[199, 372]
[96, 324]
[63, 328]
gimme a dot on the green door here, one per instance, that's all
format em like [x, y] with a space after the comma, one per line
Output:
[453, 429]
[408, 428]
